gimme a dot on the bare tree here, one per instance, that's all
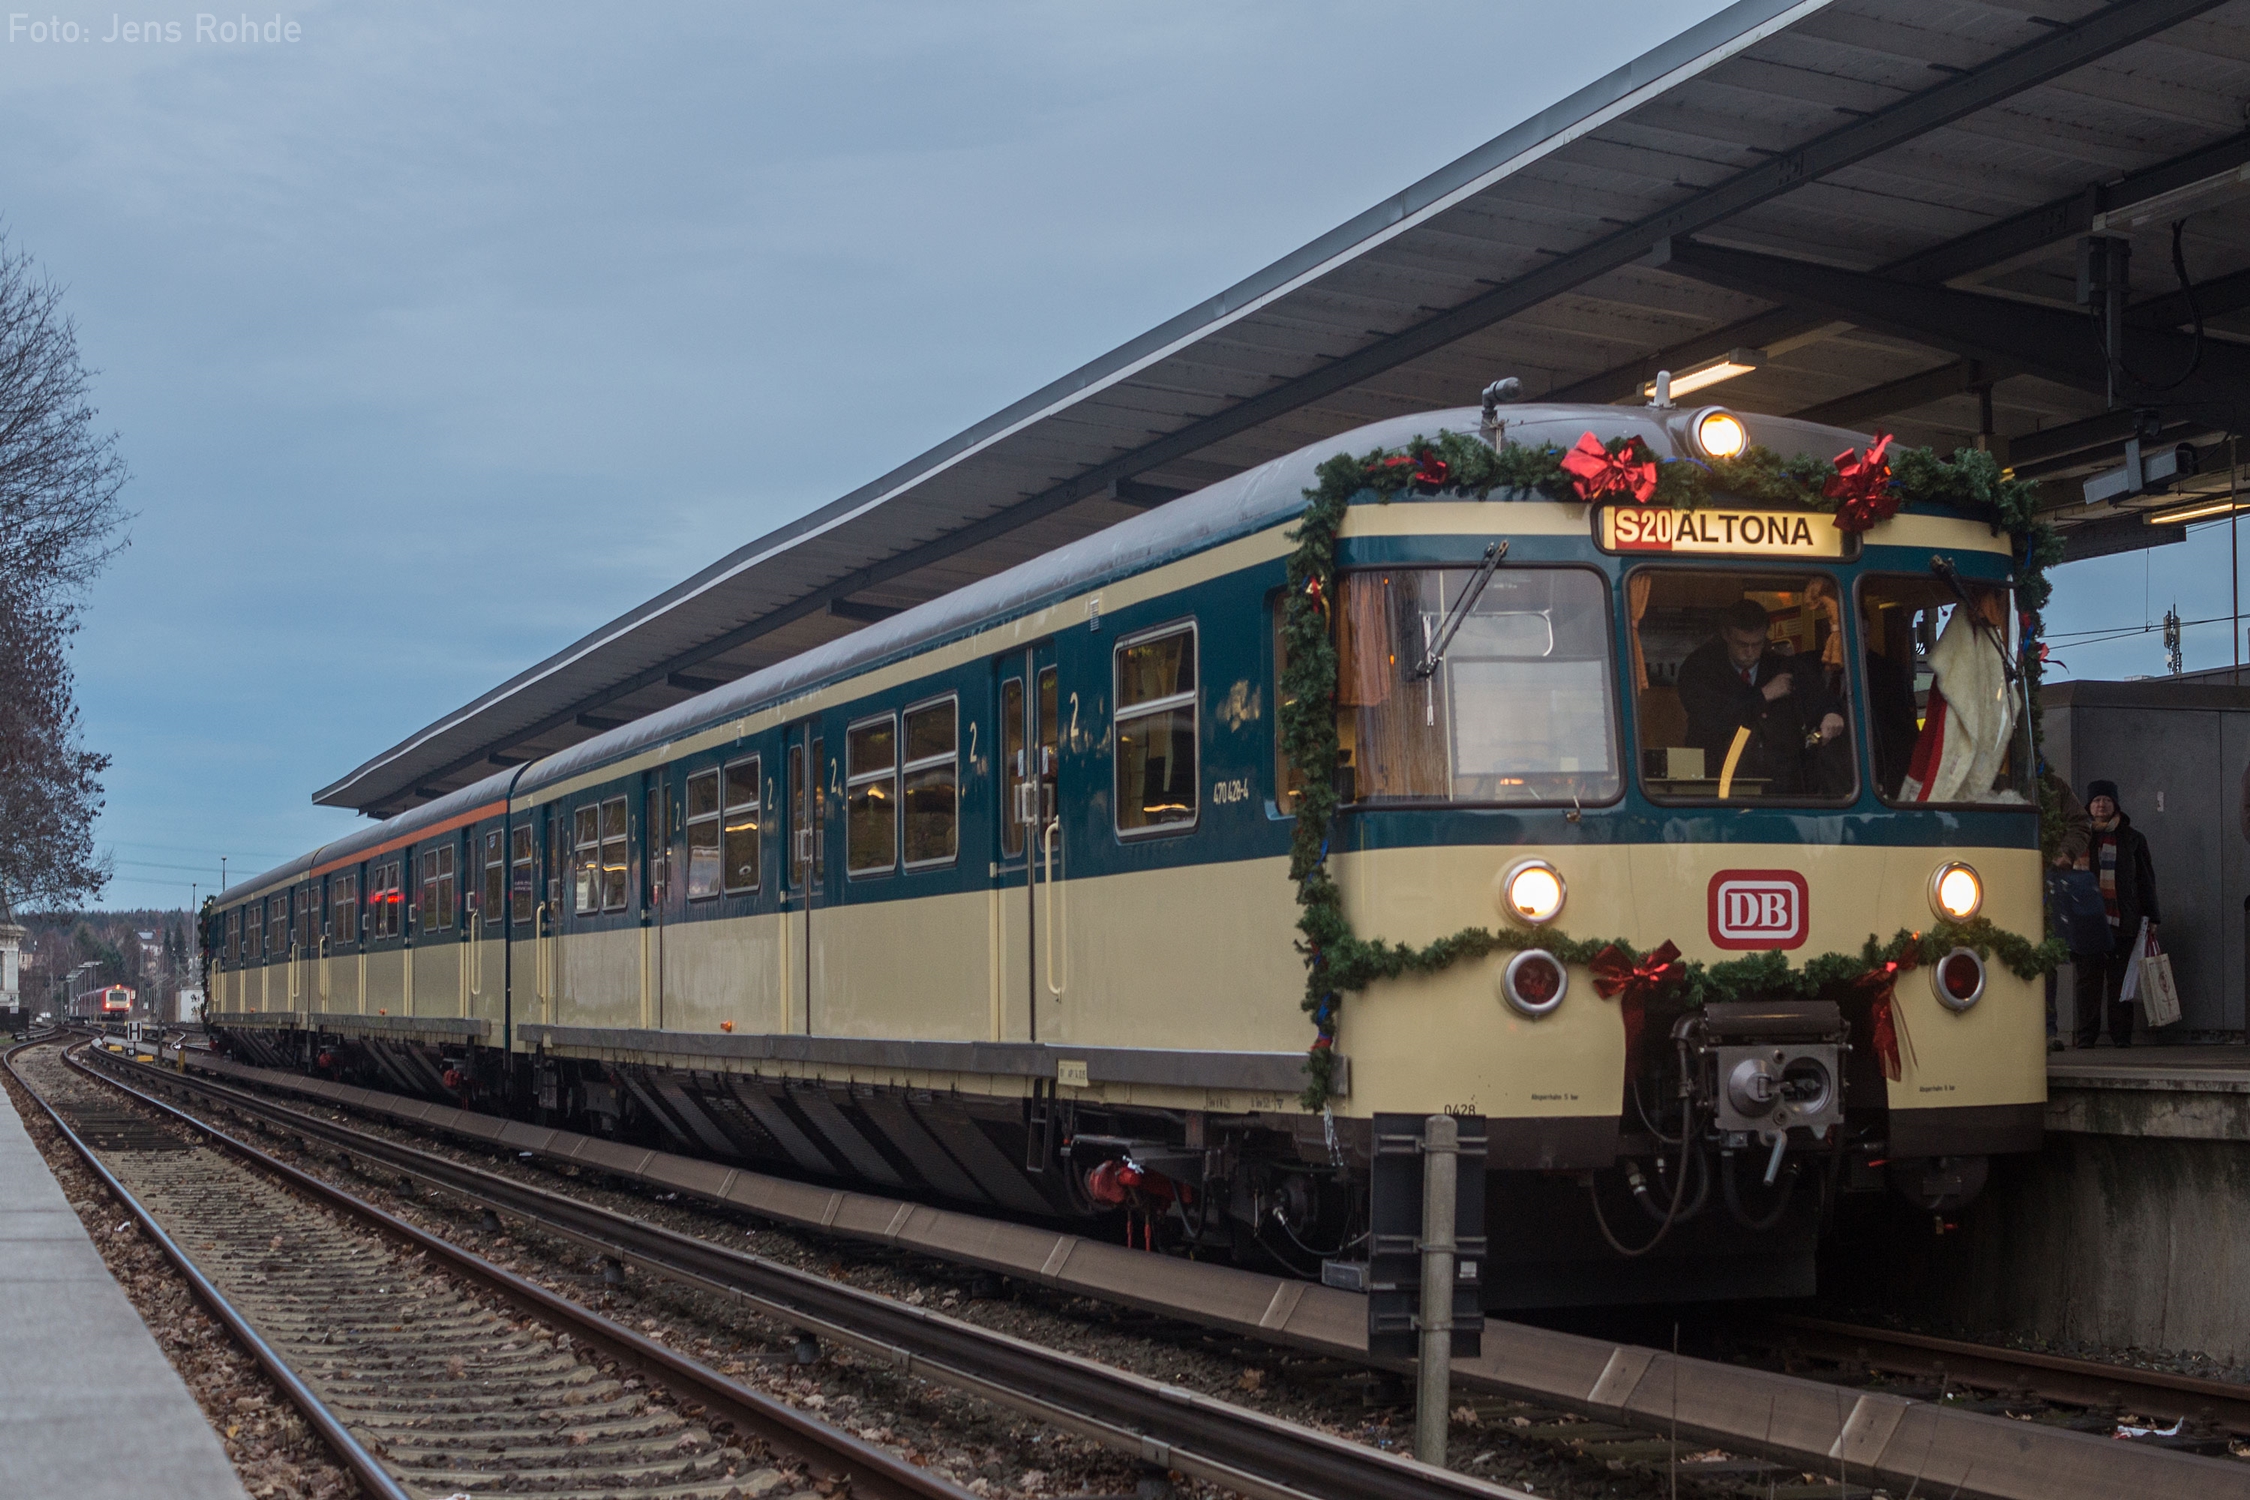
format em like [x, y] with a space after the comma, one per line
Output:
[60, 521]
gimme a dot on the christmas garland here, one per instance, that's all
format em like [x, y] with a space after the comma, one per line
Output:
[1859, 489]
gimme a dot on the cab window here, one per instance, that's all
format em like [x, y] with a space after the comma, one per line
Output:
[1740, 687]
[1458, 685]
[1944, 692]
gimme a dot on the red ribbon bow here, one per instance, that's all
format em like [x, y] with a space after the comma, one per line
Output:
[1597, 471]
[1392, 464]
[1431, 470]
[1883, 1019]
[1862, 487]
[1635, 984]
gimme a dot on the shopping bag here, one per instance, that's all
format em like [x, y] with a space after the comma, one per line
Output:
[2160, 997]
[2074, 905]
[2130, 990]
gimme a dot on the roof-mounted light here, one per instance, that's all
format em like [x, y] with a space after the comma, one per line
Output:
[1720, 434]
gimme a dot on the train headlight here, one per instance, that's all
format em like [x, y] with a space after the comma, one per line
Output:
[1534, 983]
[1532, 892]
[1958, 979]
[1956, 892]
[1720, 434]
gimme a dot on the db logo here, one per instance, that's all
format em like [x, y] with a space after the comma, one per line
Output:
[1758, 909]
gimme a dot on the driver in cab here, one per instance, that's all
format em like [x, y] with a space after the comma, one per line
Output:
[1740, 681]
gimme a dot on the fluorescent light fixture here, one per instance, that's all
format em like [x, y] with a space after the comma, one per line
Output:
[1709, 373]
[2200, 510]
[2206, 192]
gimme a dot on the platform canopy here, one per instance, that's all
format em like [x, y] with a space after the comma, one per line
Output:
[1883, 204]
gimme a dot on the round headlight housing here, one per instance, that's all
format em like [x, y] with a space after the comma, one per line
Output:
[1534, 983]
[1958, 979]
[1956, 891]
[1532, 892]
[1720, 433]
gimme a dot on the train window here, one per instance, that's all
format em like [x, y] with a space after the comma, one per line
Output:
[1156, 779]
[871, 797]
[614, 870]
[519, 862]
[308, 917]
[390, 898]
[436, 914]
[704, 820]
[495, 880]
[277, 927]
[234, 936]
[1739, 678]
[931, 777]
[742, 824]
[343, 908]
[1448, 691]
[1944, 705]
[1012, 764]
[586, 859]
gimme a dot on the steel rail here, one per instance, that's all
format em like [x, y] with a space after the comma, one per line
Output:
[372, 1476]
[1808, 1424]
[1247, 1451]
[827, 1450]
[2051, 1377]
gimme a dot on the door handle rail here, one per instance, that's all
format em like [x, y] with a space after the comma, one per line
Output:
[1047, 908]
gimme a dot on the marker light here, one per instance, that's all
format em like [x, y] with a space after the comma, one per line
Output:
[1534, 983]
[1958, 979]
[1532, 892]
[1720, 434]
[1956, 892]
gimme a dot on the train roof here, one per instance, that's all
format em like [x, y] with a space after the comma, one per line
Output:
[1268, 495]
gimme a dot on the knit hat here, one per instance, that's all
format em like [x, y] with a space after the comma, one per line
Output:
[2103, 789]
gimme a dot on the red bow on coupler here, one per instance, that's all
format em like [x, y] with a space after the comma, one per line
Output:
[1884, 1022]
[1615, 973]
[1595, 471]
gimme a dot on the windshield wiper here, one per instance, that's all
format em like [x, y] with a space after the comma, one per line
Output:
[1472, 591]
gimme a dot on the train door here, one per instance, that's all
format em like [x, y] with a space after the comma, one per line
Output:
[806, 752]
[1030, 835]
[656, 859]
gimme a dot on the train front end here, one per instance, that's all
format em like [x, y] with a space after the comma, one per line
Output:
[1714, 837]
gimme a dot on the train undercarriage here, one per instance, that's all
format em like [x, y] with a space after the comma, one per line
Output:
[1743, 1127]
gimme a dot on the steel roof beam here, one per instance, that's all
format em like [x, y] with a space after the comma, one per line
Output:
[1903, 394]
[2038, 61]
[2047, 342]
[1982, 251]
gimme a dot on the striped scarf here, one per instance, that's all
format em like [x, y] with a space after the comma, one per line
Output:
[2106, 861]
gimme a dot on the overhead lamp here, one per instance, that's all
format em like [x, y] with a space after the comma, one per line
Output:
[2178, 203]
[2199, 510]
[1671, 384]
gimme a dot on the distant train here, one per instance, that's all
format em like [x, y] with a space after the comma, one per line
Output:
[992, 901]
[112, 1002]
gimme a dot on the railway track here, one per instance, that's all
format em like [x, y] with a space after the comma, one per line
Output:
[1167, 1428]
[1961, 1446]
[429, 1371]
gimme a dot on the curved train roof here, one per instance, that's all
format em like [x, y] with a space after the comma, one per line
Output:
[1267, 495]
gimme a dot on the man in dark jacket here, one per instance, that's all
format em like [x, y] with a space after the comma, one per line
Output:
[1735, 682]
[2119, 855]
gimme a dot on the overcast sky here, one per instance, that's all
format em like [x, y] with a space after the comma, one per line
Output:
[442, 333]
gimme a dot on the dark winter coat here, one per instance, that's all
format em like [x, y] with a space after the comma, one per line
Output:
[2136, 879]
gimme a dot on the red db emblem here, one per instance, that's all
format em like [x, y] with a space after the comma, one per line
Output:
[1758, 909]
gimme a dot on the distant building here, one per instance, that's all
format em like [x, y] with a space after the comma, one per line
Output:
[11, 961]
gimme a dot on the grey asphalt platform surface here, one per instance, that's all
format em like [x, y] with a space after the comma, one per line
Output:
[90, 1409]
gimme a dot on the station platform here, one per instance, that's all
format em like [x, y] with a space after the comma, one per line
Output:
[2171, 1093]
[89, 1406]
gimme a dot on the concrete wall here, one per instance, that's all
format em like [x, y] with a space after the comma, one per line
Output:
[2176, 751]
[2130, 1229]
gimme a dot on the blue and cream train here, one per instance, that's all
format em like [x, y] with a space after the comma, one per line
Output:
[989, 902]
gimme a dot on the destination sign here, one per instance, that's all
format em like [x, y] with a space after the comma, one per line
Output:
[1760, 533]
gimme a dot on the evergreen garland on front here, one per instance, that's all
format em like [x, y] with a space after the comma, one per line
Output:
[1338, 961]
